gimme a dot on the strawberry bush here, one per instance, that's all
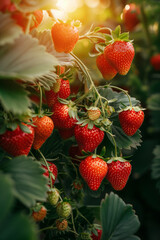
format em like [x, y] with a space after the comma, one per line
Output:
[69, 127]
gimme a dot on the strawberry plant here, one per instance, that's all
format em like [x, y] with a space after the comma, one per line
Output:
[65, 155]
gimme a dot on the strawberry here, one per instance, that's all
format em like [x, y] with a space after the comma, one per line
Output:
[44, 128]
[22, 19]
[155, 62]
[61, 117]
[93, 170]
[88, 139]
[106, 69]
[131, 14]
[64, 209]
[40, 214]
[66, 133]
[61, 225]
[131, 121]
[53, 196]
[64, 37]
[94, 237]
[17, 142]
[120, 55]
[77, 184]
[94, 113]
[64, 92]
[7, 5]
[53, 170]
[118, 174]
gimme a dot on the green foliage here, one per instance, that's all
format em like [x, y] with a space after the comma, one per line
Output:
[119, 221]
[156, 166]
[27, 176]
[9, 31]
[18, 225]
[18, 61]
[154, 102]
[13, 97]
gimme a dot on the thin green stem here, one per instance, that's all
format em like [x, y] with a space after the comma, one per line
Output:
[45, 161]
[73, 232]
[83, 217]
[124, 91]
[85, 71]
[74, 228]
[47, 228]
[71, 163]
[27, 30]
[115, 145]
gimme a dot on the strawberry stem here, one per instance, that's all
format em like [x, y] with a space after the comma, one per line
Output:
[85, 71]
[124, 91]
[27, 30]
[45, 161]
[115, 145]
[74, 228]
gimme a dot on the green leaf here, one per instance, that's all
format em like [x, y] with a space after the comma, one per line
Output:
[24, 128]
[9, 30]
[123, 141]
[25, 59]
[13, 97]
[156, 165]
[45, 39]
[6, 199]
[18, 227]
[29, 182]
[154, 102]
[122, 98]
[116, 32]
[119, 221]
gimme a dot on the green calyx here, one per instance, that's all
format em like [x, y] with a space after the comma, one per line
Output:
[115, 159]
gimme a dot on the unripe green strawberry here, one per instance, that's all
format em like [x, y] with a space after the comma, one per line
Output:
[64, 209]
[53, 196]
[94, 113]
[62, 225]
[85, 236]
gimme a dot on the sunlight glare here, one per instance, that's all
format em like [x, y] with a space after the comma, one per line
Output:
[69, 5]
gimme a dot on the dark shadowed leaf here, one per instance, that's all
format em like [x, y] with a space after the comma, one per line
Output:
[119, 221]
[29, 182]
[156, 165]
[13, 97]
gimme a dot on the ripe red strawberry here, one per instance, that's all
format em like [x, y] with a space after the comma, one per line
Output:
[43, 129]
[66, 133]
[40, 214]
[53, 196]
[106, 69]
[17, 142]
[64, 209]
[7, 5]
[64, 92]
[88, 139]
[93, 170]
[61, 225]
[53, 170]
[131, 121]
[64, 37]
[94, 113]
[22, 19]
[94, 237]
[155, 62]
[118, 174]
[120, 55]
[131, 14]
[61, 117]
